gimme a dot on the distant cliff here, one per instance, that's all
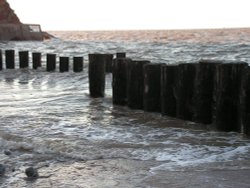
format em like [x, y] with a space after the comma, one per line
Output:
[11, 27]
[7, 15]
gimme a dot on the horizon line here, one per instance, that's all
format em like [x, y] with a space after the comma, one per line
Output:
[170, 29]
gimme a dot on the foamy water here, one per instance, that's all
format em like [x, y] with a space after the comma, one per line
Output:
[49, 118]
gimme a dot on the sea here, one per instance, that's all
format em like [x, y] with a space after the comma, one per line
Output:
[49, 122]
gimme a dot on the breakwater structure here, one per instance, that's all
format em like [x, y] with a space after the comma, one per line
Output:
[209, 92]
[11, 28]
[8, 61]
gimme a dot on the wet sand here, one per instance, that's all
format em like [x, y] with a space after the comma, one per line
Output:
[106, 173]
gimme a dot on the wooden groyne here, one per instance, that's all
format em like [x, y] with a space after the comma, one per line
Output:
[25, 58]
[207, 92]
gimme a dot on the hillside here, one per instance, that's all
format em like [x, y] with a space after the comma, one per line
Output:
[7, 15]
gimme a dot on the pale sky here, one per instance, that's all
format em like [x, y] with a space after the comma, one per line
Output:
[133, 14]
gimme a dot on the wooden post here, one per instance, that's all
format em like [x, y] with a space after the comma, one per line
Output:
[204, 100]
[152, 87]
[96, 75]
[36, 60]
[10, 59]
[51, 62]
[77, 64]
[185, 91]
[245, 99]
[119, 83]
[108, 62]
[64, 64]
[228, 104]
[168, 88]
[23, 59]
[1, 60]
[135, 84]
[246, 127]
[120, 55]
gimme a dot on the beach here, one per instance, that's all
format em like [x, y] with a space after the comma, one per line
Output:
[49, 121]
[129, 174]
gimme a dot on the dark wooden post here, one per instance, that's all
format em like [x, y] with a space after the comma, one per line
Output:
[204, 99]
[185, 91]
[246, 127]
[108, 62]
[245, 99]
[168, 89]
[135, 84]
[1, 60]
[10, 59]
[96, 75]
[51, 62]
[152, 87]
[77, 64]
[119, 83]
[64, 64]
[36, 60]
[228, 104]
[120, 55]
[23, 59]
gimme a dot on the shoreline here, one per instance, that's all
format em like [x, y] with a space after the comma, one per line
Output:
[126, 173]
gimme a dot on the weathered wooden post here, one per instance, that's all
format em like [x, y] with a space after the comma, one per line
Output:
[168, 89]
[119, 82]
[96, 75]
[10, 59]
[204, 100]
[36, 60]
[152, 87]
[1, 60]
[135, 84]
[245, 100]
[77, 64]
[185, 91]
[51, 62]
[23, 59]
[228, 103]
[246, 127]
[108, 62]
[120, 55]
[64, 64]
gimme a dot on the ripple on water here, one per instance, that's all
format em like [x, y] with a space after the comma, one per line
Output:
[49, 117]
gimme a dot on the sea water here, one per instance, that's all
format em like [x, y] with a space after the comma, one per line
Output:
[49, 118]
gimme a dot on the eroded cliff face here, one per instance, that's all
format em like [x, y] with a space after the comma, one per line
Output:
[7, 15]
[11, 27]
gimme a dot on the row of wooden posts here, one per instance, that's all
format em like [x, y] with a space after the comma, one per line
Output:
[78, 62]
[207, 92]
